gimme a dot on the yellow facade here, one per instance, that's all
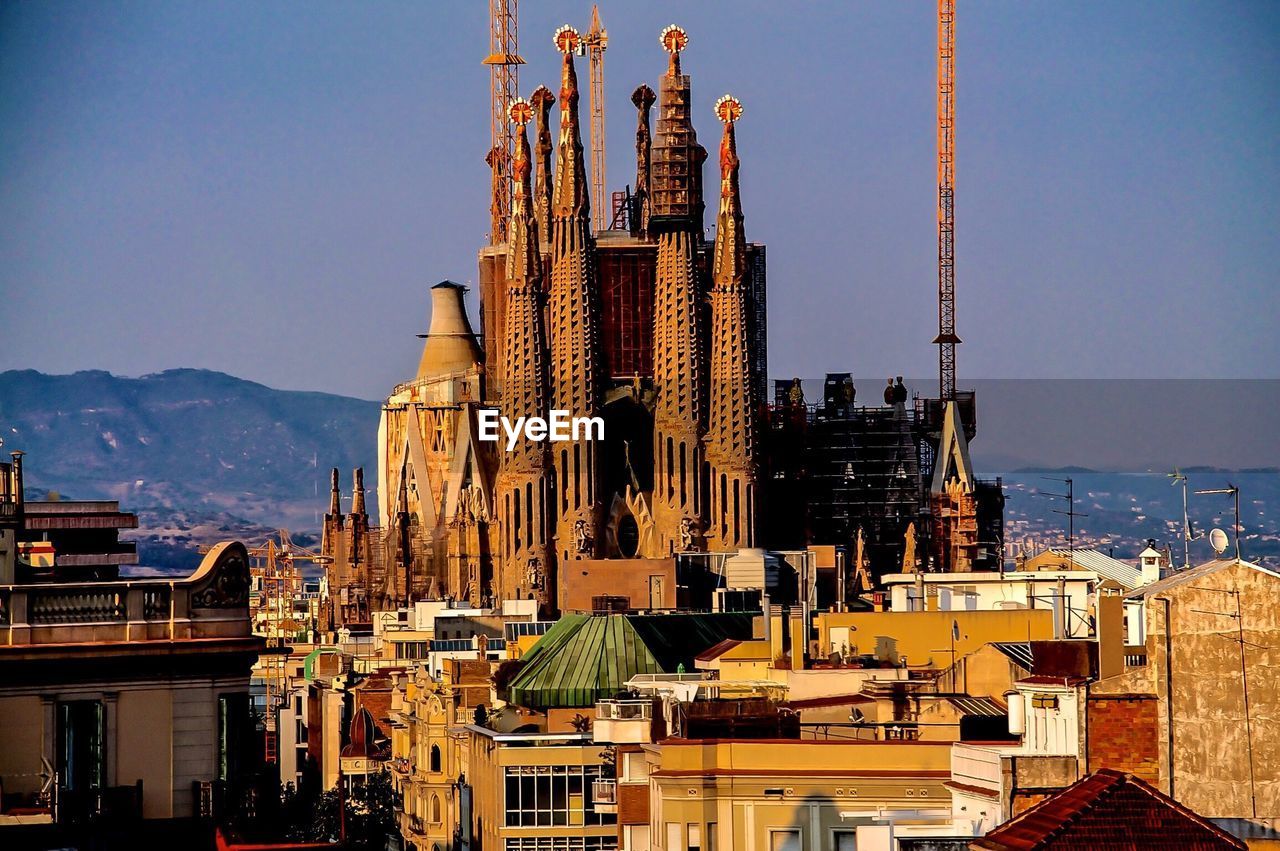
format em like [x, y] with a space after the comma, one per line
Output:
[927, 638]
[758, 795]
[426, 763]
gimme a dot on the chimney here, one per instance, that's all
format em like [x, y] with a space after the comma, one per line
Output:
[1110, 630]
[451, 345]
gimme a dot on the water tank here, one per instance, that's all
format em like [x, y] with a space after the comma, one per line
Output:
[1017, 720]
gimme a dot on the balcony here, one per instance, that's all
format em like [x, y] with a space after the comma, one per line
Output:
[604, 794]
[623, 721]
[1135, 656]
[212, 603]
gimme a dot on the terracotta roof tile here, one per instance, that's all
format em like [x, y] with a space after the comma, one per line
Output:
[1108, 811]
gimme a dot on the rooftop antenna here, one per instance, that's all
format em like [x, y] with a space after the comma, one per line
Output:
[1071, 513]
[1235, 492]
[1188, 534]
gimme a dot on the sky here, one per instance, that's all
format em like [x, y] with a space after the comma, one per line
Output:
[269, 188]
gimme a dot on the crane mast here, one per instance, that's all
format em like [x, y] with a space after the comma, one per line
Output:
[504, 84]
[947, 339]
[594, 44]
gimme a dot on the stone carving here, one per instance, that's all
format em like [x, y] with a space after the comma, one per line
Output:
[226, 585]
[582, 539]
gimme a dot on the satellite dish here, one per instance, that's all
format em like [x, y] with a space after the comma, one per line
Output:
[856, 716]
[1218, 540]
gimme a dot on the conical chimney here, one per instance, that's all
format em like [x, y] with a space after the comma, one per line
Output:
[451, 344]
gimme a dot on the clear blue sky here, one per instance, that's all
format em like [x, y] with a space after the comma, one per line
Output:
[268, 188]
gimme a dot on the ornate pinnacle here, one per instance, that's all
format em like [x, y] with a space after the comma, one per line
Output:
[335, 495]
[542, 100]
[571, 197]
[730, 250]
[673, 40]
[643, 98]
[524, 260]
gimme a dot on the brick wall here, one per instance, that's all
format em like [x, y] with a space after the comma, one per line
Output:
[1124, 734]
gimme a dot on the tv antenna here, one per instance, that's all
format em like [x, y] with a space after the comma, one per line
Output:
[1235, 492]
[1071, 513]
[1188, 533]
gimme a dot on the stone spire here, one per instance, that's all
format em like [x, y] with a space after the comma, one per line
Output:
[731, 422]
[571, 197]
[574, 311]
[643, 97]
[357, 493]
[676, 187]
[335, 497]
[404, 543]
[523, 486]
[542, 101]
[676, 218]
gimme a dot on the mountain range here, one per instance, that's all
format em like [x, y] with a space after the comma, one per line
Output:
[187, 449]
[202, 456]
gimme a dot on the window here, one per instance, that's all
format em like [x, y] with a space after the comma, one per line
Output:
[435, 809]
[634, 768]
[695, 837]
[711, 836]
[81, 734]
[552, 795]
[435, 758]
[562, 843]
[673, 836]
[234, 734]
[784, 840]
[846, 840]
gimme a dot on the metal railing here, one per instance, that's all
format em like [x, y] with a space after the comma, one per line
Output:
[624, 710]
[604, 791]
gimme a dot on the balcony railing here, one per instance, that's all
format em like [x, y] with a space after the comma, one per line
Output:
[1135, 656]
[604, 792]
[211, 603]
[624, 710]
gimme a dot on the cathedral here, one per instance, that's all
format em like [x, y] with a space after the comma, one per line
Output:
[650, 325]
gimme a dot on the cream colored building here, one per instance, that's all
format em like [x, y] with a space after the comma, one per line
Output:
[129, 697]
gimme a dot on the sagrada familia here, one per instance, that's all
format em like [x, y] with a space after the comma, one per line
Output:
[648, 325]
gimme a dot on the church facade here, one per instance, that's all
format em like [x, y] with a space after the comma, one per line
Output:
[653, 326]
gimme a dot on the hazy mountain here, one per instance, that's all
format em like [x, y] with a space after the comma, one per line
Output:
[203, 456]
[186, 439]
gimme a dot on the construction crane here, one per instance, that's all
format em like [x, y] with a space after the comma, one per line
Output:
[594, 45]
[947, 339]
[277, 580]
[504, 86]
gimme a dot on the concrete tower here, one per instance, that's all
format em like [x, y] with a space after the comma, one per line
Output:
[523, 486]
[574, 312]
[676, 220]
[731, 419]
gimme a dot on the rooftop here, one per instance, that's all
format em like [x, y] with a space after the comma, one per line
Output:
[1194, 573]
[1107, 811]
[585, 658]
